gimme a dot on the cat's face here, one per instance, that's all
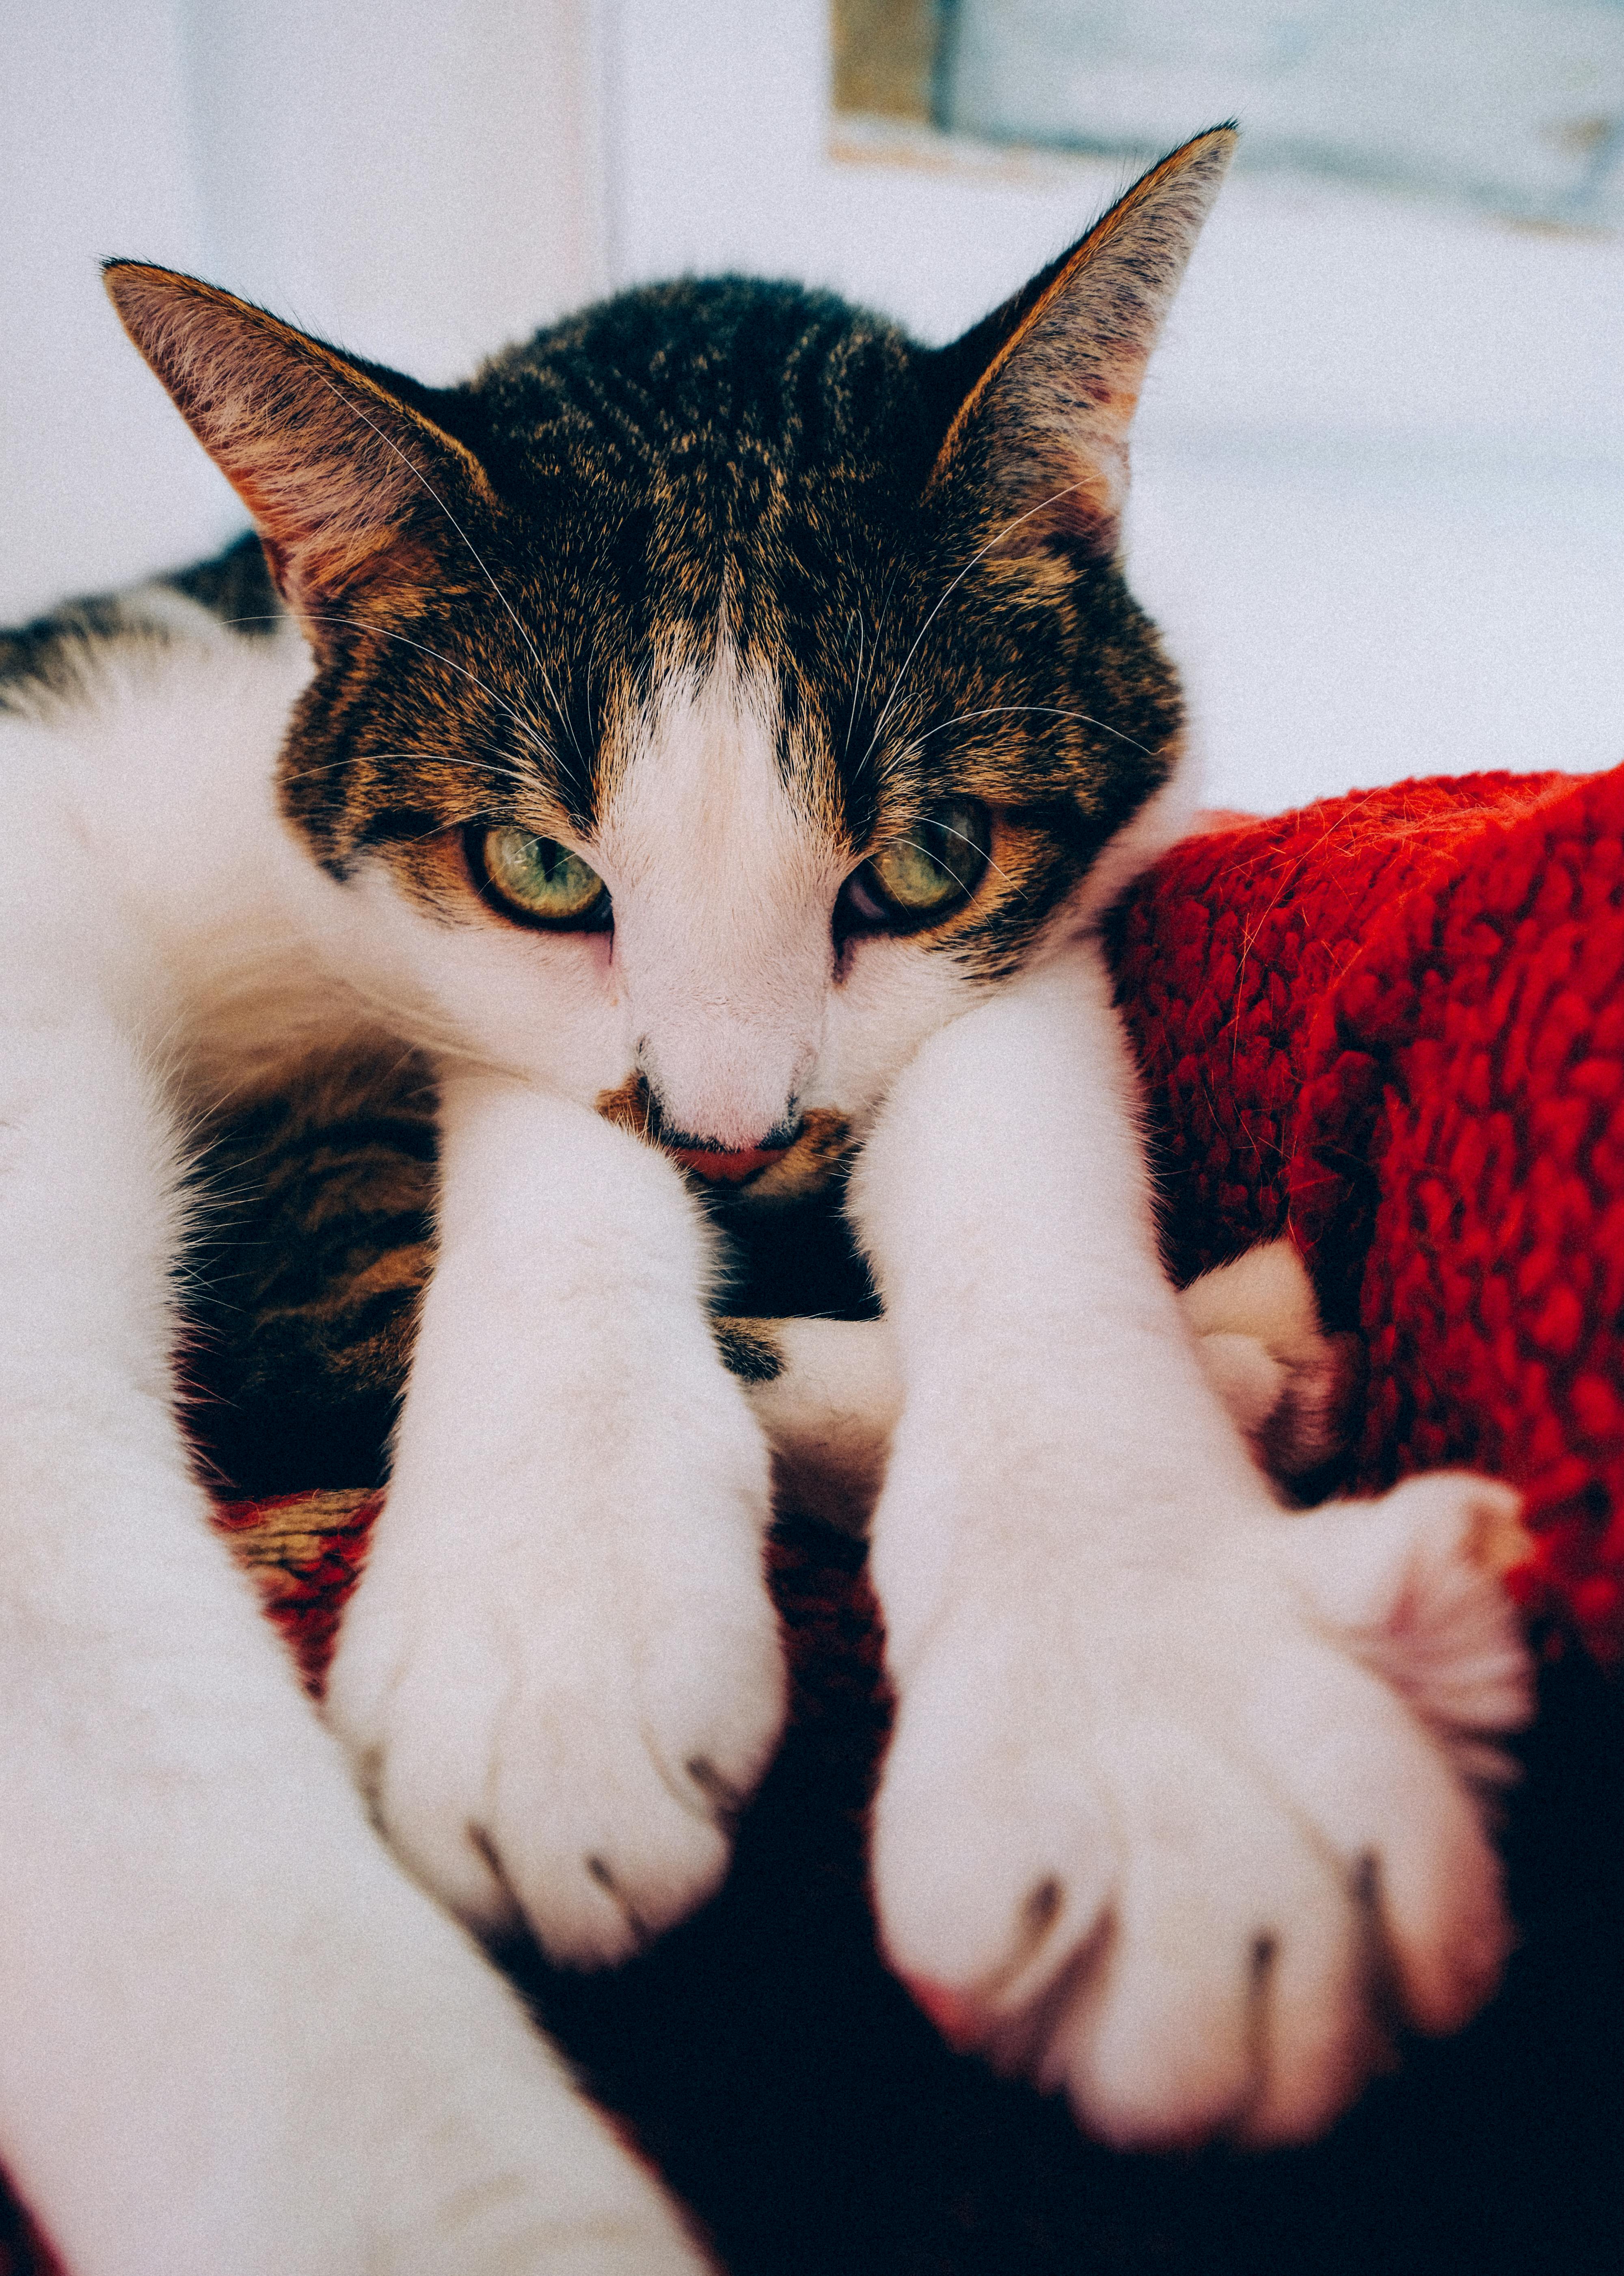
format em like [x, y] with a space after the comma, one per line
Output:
[718, 693]
[741, 771]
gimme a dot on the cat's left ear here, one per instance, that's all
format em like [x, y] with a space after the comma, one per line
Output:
[356, 490]
[1047, 385]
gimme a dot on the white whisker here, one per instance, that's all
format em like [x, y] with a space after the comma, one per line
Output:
[499, 766]
[996, 538]
[363, 624]
[851, 716]
[531, 728]
[965, 885]
[1055, 710]
[947, 831]
[418, 476]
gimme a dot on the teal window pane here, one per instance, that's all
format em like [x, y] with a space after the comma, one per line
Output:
[1517, 106]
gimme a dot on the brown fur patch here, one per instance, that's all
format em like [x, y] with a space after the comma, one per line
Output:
[630, 1106]
[319, 1244]
[750, 1349]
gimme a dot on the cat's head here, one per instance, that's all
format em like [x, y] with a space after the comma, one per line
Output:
[717, 693]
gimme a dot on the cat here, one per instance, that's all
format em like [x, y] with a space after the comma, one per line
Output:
[714, 731]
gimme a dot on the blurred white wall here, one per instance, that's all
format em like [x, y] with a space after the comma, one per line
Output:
[1379, 466]
[97, 480]
[420, 182]
[1380, 475]
[425, 180]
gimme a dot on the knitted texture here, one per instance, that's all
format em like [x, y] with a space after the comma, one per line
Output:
[1391, 1026]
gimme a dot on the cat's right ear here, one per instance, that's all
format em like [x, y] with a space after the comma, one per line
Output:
[1040, 395]
[352, 488]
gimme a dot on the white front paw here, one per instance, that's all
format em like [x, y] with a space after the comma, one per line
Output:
[561, 1674]
[1167, 1839]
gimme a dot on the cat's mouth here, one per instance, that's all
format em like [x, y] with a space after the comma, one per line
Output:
[815, 1155]
[727, 1169]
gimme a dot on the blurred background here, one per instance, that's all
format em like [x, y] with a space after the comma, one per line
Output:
[1379, 477]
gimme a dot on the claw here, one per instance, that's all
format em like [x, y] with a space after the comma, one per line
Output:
[1040, 1911]
[490, 1856]
[1384, 1978]
[598, 1869]
[727, 1802]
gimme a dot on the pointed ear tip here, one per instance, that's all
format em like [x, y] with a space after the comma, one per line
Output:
[122, 279]
[149, 300]
[1217, 144]
[1197, 168]
[121, 274]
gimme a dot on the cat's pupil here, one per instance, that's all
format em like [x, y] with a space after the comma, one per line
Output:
[935, 864]
[915, 877]
[540, 877]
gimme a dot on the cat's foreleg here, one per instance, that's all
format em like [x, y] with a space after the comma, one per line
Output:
[828, 1392]
[1153, 1826]
[561, 1675]
[234, 2036]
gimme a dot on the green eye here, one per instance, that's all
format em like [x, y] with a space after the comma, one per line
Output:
[914, 877]
[542, 878]
[934, 865]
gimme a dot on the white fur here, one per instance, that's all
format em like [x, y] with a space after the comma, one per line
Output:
[563, 1611]
[1147, 1802]
[235, 2035]
[726, 889]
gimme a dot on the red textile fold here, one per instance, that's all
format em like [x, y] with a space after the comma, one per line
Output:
[1391, 1025]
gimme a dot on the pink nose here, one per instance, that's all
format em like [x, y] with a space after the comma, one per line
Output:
[724, 1168]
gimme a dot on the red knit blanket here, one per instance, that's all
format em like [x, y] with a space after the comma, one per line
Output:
[1393, 1025]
